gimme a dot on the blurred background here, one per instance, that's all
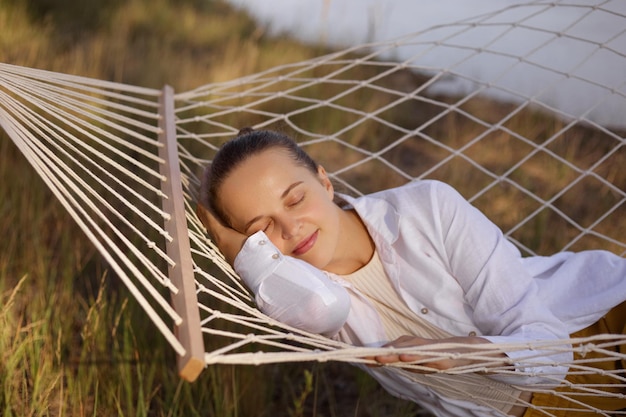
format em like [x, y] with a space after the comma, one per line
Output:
[72, 340]
[344, 23]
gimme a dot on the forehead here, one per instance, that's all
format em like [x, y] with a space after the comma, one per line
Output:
[260, 181]
[274, 165]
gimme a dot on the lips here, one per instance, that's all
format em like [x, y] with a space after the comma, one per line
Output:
[304, 246]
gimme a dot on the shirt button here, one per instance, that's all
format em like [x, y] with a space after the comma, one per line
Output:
[472, 333]
[275, 256]
[262, 242]
[424, 310]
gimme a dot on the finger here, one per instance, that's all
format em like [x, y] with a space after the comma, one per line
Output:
[205, 217]
[212, 224]
[372, 359]
[408, 357]
[386, 359]
[408, 341]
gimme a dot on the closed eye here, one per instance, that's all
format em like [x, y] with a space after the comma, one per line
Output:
[296, 201]
[257, 225]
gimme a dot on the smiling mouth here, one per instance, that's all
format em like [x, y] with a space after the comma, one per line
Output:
[304, 246]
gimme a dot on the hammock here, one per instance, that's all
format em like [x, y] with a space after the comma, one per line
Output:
[125, 162]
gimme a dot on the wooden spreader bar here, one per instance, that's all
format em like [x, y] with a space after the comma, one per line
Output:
[185, 302]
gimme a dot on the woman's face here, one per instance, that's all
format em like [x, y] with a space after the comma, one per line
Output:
[291, 204]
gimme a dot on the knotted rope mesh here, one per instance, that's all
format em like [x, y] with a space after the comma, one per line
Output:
[126, 161]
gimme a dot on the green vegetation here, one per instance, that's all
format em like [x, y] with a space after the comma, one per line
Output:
[72, 341]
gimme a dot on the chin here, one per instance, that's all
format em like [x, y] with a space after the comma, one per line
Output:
[317, 261]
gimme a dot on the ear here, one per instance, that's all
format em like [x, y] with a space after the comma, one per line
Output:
[326, 182]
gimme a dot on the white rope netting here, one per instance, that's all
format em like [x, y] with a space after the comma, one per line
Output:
[376, 116]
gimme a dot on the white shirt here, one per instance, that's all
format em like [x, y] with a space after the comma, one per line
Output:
[447, 261]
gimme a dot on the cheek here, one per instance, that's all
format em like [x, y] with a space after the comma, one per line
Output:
[277, 240]
[327, 213]
[320, 204]
[275, 236]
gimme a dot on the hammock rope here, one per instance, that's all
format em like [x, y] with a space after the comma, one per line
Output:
[125, 163]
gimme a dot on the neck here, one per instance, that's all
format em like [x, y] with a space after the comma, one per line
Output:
[356, 246]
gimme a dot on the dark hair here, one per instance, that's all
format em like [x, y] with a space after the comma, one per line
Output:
[233, 153]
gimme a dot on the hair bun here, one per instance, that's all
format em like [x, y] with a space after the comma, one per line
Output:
[245, 131]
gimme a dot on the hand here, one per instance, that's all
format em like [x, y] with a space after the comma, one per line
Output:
[439, 364]
[228, 240]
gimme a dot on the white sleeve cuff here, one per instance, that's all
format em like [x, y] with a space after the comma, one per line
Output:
[534, 365]
[290, 290]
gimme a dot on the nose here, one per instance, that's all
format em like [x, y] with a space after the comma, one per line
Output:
[289, 227]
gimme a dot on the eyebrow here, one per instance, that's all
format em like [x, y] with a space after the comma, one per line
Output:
[282, 196]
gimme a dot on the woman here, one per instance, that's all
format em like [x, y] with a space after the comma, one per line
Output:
[409, 266]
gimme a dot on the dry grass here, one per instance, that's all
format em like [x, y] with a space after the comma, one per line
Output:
[73, 343]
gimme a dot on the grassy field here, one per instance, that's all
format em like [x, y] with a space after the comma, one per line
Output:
[72, 341]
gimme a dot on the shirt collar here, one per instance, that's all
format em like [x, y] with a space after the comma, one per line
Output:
[380, 217]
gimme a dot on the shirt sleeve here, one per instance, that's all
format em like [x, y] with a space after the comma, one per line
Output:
[501, 292]
[290, 290]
